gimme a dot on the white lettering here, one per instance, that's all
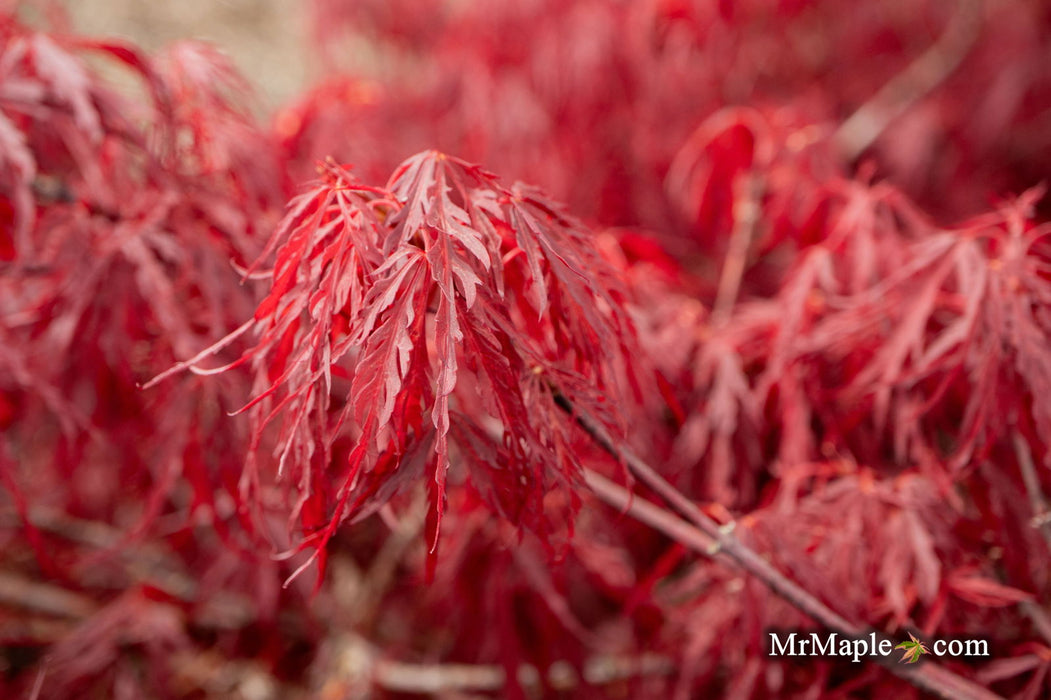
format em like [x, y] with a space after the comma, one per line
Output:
[977, 647]
[965, 647]
[779, 649]
[860, 648]
[826, 649]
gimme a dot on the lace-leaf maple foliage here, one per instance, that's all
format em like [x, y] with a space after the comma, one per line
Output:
[118, 224]
[858, 385]
[446, 309]
[131, 228]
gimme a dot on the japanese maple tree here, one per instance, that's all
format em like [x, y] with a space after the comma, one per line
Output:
[339, 407]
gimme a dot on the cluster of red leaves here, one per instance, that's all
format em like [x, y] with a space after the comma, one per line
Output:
[388, 292]
[120, 221]
[811, 313]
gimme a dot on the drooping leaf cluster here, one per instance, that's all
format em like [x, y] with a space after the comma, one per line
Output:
[444, 315]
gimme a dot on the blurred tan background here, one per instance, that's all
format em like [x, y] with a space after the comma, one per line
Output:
[265, 38]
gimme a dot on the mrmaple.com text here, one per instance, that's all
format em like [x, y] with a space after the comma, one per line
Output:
[831, 644]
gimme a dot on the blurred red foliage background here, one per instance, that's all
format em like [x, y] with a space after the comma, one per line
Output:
[315, 406]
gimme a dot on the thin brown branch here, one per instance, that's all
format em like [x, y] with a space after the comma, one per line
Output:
[1039, 617]
[35, 596]
[38, 683]
[1037, 502]
[911, 85]
[142, 563]
[1041, 519]
[711, 539]
[645, 512]
[746, 211]
[357, 664]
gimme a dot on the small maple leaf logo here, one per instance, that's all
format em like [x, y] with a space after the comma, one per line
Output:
[914, 649]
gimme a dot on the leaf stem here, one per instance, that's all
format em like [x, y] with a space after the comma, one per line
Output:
[912, 84]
